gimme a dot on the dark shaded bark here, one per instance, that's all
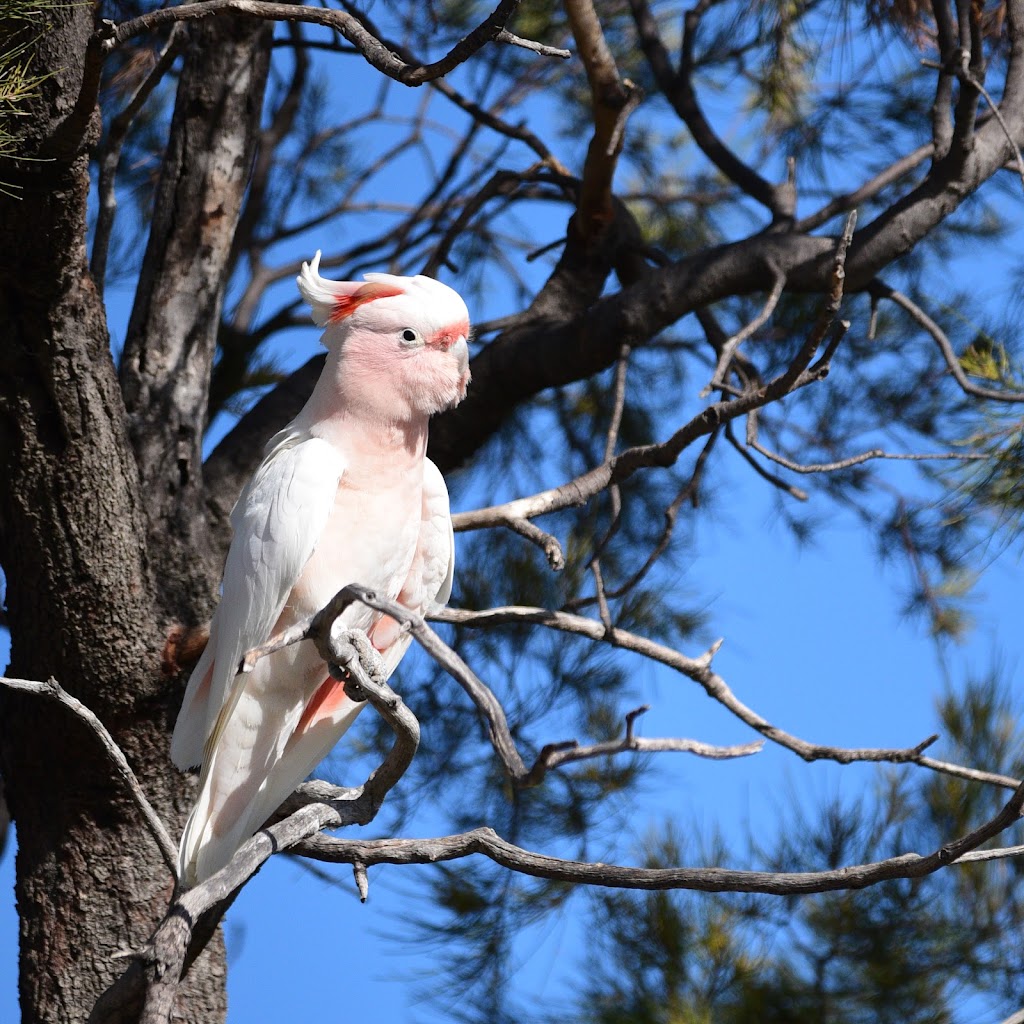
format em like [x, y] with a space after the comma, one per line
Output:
[93, 551]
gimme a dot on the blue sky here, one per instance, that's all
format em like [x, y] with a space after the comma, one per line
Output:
[815, 640]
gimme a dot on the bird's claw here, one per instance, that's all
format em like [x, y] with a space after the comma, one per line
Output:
[354, 646]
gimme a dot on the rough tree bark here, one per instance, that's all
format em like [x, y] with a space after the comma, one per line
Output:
[90, 591]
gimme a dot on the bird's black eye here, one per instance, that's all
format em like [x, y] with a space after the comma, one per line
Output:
[411, 337]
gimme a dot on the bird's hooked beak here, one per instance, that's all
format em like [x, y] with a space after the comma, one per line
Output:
[461, 352]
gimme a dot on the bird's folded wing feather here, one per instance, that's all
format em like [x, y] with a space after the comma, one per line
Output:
[277, 521]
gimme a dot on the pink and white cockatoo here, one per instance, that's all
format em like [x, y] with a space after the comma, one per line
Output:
[345, 494]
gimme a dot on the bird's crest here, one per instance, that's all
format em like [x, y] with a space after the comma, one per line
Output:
[333, 301]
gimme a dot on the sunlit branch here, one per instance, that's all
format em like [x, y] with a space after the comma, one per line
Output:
[697, 669]
[504, 36]
[780, 883]
[554, 755]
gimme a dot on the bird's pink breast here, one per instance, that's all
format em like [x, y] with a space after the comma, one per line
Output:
[370, 539]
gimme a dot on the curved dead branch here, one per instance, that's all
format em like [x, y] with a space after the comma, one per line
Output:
[348, 25]
[776, 883]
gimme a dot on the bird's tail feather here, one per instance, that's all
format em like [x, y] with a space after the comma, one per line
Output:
[218, 826]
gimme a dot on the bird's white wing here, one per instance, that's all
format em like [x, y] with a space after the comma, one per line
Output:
[277, 522]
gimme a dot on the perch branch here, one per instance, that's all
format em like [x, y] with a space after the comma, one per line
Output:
[164, 957]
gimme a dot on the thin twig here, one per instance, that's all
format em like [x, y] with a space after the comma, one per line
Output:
[52, 690]
[504, 36]
[554, 755]
[945, 346]
[849, 461]
[730, 345]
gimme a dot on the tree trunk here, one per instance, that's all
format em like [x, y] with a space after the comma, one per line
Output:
[84, 542]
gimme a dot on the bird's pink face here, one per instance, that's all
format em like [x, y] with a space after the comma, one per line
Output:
[411, 347]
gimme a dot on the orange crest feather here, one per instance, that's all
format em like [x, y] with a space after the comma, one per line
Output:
[346, 305]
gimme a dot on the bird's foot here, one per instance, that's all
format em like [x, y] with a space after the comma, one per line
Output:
[353, 647]
[184, 646]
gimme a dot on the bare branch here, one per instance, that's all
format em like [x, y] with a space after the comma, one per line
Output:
[730, 345]
[163, 958]
[852, 460]
[52, 690]
[351, 27]
[782, 883]
[697, 669]
[504, 36]
[554, 755]
[959, 771]
[999, 853]
[490, 120]
[111, 156]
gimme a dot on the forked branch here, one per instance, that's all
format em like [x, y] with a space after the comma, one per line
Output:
[164, 957]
